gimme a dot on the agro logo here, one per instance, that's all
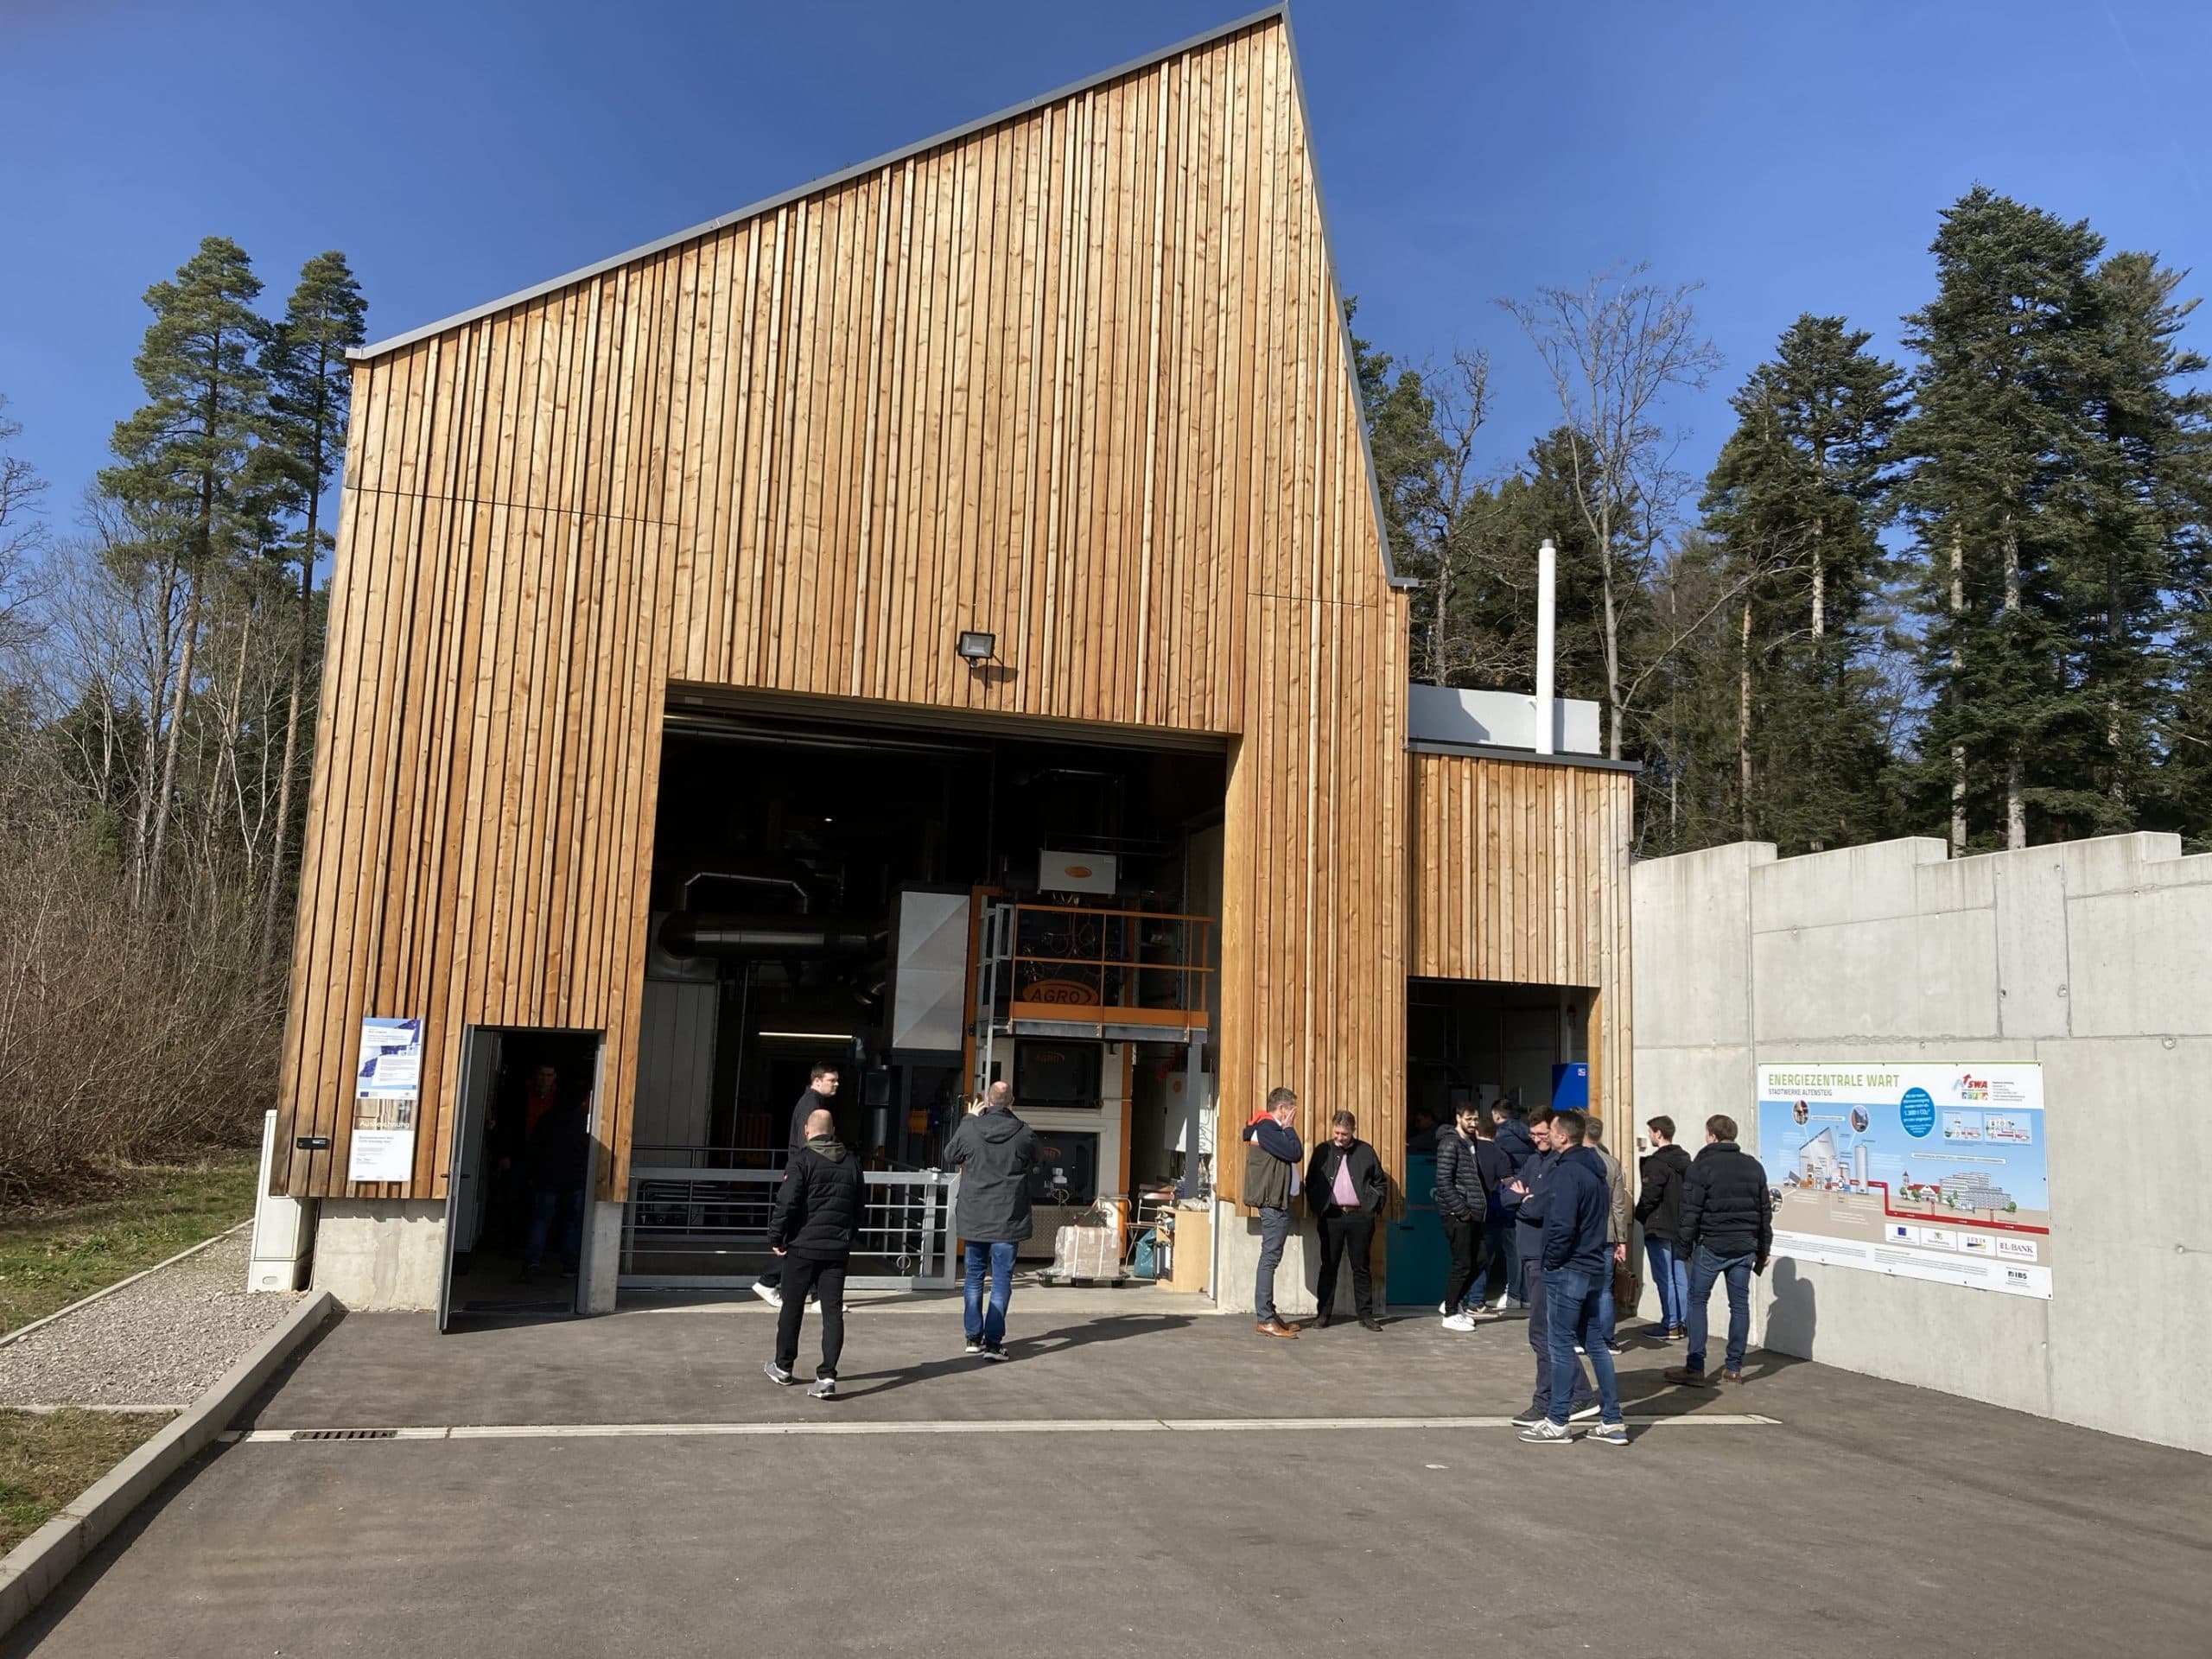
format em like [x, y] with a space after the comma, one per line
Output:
[1974, 1087]
[1079, 871]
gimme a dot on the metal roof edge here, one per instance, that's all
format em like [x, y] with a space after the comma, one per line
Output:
[1494, 752]
[1278, 12]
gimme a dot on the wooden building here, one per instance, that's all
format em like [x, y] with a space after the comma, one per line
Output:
[1075, 377]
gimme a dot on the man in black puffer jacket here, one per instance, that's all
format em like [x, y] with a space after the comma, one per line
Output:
[817, 1213]
[1728, 1228]
[1463, 1202]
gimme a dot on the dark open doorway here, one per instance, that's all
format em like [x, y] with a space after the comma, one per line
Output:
[519, 1182]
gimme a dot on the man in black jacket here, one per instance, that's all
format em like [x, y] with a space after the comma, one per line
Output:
[555, 1166]
[1518, 1146]
[820, 1089]
[993, 1151]
[1729, 1227]
[1464, 1196]
[817, 1213]
[1660, 1208]
[1347, 1188]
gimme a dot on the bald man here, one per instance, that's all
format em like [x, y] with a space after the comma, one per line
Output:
[817, 1213]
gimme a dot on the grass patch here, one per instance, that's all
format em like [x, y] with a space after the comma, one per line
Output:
[51, 1256]
[47, 1458]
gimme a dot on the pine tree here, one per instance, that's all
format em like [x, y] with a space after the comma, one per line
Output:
[310, 391]
[1997, 444]
[1794, 505]
[182, 464]
[2146, 497]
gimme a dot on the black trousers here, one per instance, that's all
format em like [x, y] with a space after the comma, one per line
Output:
[1468, 1259]
[1351, 1235]
[822, 1279]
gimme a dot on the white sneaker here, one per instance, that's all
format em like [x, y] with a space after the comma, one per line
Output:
[778, 1375]
[1459, 1322]
[1547, 1432]
[768, 1293]
[825, 1387]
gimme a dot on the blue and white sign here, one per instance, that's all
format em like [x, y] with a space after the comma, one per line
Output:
[1920, 1172]
[387, 1090]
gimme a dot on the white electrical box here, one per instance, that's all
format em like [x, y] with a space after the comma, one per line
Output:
[1076, 872]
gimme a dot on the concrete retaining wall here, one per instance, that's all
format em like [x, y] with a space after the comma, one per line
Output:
[2093, 957]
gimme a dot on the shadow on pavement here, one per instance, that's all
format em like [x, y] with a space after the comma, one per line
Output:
[1115, 1328]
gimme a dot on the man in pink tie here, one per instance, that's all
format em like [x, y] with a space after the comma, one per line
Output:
[1347, 1188]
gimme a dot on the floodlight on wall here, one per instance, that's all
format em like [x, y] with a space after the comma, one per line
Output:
[976, 648]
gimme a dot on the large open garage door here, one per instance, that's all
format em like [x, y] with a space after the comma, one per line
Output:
[926, 908]
[1496, 1047]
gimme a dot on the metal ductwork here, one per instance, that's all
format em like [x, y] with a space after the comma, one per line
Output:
[712, 934]
[776, 880]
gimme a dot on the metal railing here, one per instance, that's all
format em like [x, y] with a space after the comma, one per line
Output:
[707, 1230]
[1143, 963]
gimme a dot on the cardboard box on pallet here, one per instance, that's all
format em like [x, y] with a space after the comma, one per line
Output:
[1086, 1253]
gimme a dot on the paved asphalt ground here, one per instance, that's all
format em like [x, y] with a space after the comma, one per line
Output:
[1108, 1493]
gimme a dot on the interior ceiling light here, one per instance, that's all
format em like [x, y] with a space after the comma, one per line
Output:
[975, 646]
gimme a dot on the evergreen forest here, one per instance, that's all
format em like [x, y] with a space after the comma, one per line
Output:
[1963, 595]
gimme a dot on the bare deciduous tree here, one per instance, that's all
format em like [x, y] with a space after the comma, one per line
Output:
[1614, 348]
[23, 535]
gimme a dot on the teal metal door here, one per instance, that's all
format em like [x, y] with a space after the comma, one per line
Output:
[1418, 1260]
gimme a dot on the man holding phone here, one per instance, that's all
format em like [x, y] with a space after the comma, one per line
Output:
[1273, 1152]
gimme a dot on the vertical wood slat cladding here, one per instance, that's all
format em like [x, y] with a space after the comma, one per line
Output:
[1520, 874]
[1076, 378]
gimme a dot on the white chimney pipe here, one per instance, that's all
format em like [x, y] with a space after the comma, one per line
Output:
[1546, 570]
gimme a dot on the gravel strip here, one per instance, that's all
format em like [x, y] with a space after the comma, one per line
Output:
[161, 1342]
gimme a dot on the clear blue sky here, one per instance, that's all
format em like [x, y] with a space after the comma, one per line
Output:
[1792, 157]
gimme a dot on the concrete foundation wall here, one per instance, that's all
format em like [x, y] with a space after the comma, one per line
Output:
[385, 1255]
[2092, 958]
[381, 1254]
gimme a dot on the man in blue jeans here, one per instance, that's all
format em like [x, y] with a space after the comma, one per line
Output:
[1578, 1257]
[1659, 1207]
[1272, 1155]
[1728, 1228]
[993, 1151]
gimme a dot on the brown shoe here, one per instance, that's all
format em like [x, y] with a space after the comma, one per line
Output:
[1687, 1378]
[1736, 1377]
[1275, 1328]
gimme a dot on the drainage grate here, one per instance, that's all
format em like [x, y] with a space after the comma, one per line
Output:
[345, 1433]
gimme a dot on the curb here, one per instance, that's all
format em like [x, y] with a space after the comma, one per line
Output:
[30, 1571]
[121, 1284]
